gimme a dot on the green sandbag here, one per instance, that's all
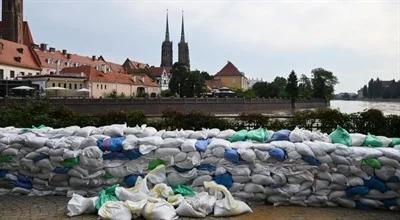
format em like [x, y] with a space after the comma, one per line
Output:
[108, 176]
[105, 195]
[372, 141]
[395, 141]
[155, 163]
[183, 190]
[260, 135]
[340, 136]
[239, 136]
[374, 163]
[70, 162]
[6, 158]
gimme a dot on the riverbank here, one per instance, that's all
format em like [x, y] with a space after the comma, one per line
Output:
[13, 207]
[353, 106]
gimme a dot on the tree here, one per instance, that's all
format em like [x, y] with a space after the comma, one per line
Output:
[323, 84]
[279, 83]
[187, 83]
[179, 74]
[292, 89]
[365, 91]
[305, 87]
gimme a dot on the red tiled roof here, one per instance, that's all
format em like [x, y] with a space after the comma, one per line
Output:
[229, 70]
[214, 83]
[111, 77]
[158, 71]
[20, 55]
[133, 65]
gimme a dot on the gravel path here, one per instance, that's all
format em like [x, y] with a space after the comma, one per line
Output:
[54, 207]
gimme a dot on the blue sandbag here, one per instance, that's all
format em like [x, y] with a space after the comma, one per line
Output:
[201, 145]
[132, 154]
[130, 180]
[3, 173]
[232, 155]
[41, 156]
[111, 144]
[224, 179]
[311, 160]
[61, 170]
[390, 202]
[281, 135]
[375, 183]
[207, 167]
[394, 179]
[357, 190]
[23, 178]
[25, 185]
[277, 153]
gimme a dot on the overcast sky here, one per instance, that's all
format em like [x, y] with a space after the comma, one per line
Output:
[356, 40]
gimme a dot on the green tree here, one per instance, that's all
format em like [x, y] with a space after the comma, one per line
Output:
[305, 87]
[323, 84]
[179, 75]
[279, 83]
[187, 83]
[292, 89]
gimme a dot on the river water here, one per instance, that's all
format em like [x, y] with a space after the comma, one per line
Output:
[351, 106]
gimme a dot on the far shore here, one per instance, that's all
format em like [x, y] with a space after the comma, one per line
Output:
[369, 100]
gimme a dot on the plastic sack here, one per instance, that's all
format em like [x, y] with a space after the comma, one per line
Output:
[341, 136]
[232, 155]
[115, 210]
[183, 190]
[201, 145]
[78, 205]
[159, 210]
[154, 163]
[311, 160]
[130, 180]
[376, 183]
[70, 162]
[111, 144]
[227, 206]
[277, 153]
[198, 206]
[224, 179]
[239, 136]
[259, 135]
[281, 135]
[374, 163]
[395, 141]
[357, 190]
[372, 141]
[357, 139]
[107, 194]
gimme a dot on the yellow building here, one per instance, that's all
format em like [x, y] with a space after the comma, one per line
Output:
[231, 77]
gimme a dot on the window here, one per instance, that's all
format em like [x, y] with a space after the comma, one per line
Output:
[54, 84]
[59, 84]
[75, 86]
[65, 85]
[101, 86]
[29, 74]
[1, 74]
[70, 86]
[80, 86]
[97, 86]
[12, 74]
[37, 73]
[22, 73]
[105, 86]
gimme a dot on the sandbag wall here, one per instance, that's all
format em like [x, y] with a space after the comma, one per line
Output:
[296, 167]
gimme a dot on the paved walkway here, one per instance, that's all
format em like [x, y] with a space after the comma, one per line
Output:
[53, 207]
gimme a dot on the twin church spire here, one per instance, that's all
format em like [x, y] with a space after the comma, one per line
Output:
[166, 48]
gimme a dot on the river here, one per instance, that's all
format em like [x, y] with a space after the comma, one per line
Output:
[352, 106]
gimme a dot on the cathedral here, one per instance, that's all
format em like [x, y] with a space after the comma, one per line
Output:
[167, 52]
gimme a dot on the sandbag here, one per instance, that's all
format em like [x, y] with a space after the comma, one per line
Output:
[238, 136]
[259, 135]
[78, 205]
[115, 210]
[341, 136]
[372, 141]
[281, 135]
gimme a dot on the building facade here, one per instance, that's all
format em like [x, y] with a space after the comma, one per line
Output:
[183, 48]
[12, 21]
[231, 77]
[166, 49]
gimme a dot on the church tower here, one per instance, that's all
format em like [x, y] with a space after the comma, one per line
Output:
[12, 21]
[183, 55]
[166, 49]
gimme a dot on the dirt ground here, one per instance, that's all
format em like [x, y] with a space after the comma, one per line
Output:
[54, 207]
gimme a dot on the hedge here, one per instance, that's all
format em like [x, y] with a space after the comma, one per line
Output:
[326, 120]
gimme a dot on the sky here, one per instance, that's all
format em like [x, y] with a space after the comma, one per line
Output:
[356, 40]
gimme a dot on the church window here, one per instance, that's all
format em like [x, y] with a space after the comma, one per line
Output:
[12, 74]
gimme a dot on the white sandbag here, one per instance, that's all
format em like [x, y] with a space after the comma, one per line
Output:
[136, 207]
[359, 153]
[161, 190]
[247, 155]
[296, 135]
[175, 178]
[390, 152]
[170, 134]
[262, 179]
[237, 187]
[199, 135]
[216, 142]
[159, 210]
[211, 133]
[355, 181]
[152, 140]
[78, 205]
[253, 188]
[262, 155]
[385, 140]
[171, 143]
[181, 156]
[385, 172]
[87, 142]
[12, 152]
[130, 142]
[226, 134]
[157, 175]
[357, 139]
[189, 145]
[227, 206]
[185, 209]
[389, 162]
[36, 142]
[85, 131]
[166, 152]
[115, 210]
[199, 181]
[218, 152]
[116, 130]
[304, 150]
[201, 203]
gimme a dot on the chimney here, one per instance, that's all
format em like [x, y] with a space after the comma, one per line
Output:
[35, 46]
[52, 49]
[93, 58]
[69, 56]
[43, 47]
[64, 52]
